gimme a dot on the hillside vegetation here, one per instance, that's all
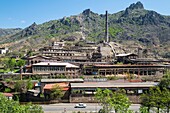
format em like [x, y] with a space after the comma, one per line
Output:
[133, 26]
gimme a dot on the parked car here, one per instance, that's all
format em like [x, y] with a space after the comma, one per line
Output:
[80, 105]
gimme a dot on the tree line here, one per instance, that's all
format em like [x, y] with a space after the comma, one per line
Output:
[11, 106]
[156, 99]
[9, 64]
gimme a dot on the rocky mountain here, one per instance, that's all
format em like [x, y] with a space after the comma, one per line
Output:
[133, 26]
[4, 32]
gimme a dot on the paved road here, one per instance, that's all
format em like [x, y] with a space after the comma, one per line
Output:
[69, 108]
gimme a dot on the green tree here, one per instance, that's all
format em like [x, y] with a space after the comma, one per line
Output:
[165, 81]
[109, 100]
[11, 106]
[153, 98]
[9, 63]
[164, 85]
[20, 64]
[166, 98]
[23, 85]
[143, 109]
[146, 101]
[157, 99]
[120, 102]
[56, 92]
[29, 84]
[104, 97]
[7, 90]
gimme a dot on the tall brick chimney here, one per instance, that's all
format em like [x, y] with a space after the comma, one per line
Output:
[106, 29]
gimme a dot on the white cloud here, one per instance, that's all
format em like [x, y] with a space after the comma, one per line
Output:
[23, 21]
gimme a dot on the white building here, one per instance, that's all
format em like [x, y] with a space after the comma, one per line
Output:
[3, 50]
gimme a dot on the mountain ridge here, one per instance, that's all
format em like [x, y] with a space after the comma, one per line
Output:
[8, 31]
[134, 24]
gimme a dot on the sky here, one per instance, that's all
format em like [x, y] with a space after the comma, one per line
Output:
[22, 13]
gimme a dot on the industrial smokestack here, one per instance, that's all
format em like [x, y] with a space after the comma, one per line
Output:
[106, 29]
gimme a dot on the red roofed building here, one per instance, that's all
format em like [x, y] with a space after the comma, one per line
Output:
[64, 87]
[8, 95]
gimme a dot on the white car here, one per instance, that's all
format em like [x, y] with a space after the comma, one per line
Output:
[80, 105]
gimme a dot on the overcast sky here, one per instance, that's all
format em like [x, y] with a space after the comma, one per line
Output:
[22, 13]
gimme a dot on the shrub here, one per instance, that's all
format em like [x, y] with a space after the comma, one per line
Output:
[7, 90]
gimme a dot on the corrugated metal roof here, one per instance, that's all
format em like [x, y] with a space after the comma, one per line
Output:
[112, 84]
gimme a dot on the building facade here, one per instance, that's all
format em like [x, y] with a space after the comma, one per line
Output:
[140, 70]
[56, 68]
[85, 92]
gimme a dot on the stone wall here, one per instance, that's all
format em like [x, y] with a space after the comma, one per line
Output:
[85, 99]
[90, 99]
[134, 99]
